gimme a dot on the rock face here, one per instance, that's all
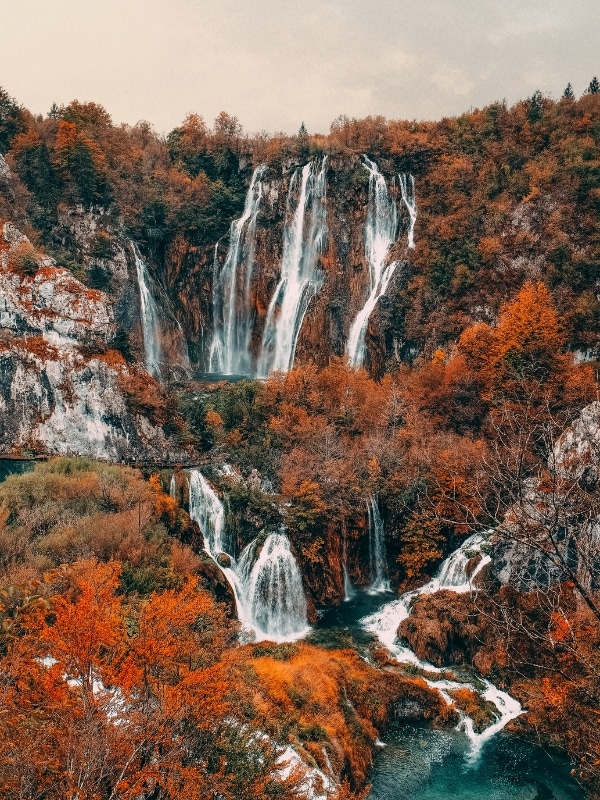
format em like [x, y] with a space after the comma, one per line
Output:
[554, 533]
[56, 397]
[343, 264]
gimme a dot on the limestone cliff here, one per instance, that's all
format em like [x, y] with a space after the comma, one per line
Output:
[62, 390]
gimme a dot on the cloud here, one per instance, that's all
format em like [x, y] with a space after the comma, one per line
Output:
[453, 80]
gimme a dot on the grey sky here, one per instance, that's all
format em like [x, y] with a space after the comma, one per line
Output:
[276, 63]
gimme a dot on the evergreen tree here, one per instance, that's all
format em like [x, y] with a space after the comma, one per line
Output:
[594, 87]
[568, 93]
[303, 144]
[11, 120]
[535, 107]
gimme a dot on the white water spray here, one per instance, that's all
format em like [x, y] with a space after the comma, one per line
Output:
[453, 577]
[300, 278]
[276, 604]
[207, 510]
[377, 553]
[407, 190]
[267, 585]
[149, 315]
[232, 309]
[381, 230]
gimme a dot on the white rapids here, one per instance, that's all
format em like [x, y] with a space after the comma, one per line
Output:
[452, 577]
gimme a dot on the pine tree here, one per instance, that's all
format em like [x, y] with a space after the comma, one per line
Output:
[594, 87]
[568, 93]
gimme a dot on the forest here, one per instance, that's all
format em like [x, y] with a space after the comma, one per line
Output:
[125, 666]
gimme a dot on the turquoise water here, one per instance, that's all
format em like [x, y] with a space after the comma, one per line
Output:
[14, 466]
[420, 763]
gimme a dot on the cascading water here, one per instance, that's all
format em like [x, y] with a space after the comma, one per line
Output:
[173, 487]
[275, 603]
[300, 279]
[207, 510]
[453, 577]
[267, 585]
[407, 190]
[381, 230]
[349, 590]
[377, 554]
[150, 316]
[232, 310]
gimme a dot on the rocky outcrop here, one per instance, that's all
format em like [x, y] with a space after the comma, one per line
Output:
[62, 390]
[553, 533]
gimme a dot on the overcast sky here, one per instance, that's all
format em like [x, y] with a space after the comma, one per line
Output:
[276, 63]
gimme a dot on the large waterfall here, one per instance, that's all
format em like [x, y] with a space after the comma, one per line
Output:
[150, 317]
[377, 553]
[266, 581]
[233, 314]
[300, 277]
[381, 230]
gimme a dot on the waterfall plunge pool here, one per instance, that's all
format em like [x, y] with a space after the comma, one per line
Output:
[423, 763]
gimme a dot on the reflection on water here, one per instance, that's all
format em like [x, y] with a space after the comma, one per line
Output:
[420, 763]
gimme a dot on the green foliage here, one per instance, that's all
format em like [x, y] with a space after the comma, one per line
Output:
[11, 120]
[594, 86]
[101, 246]
[99, 277]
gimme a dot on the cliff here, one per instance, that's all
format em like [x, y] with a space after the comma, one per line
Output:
[62, 389]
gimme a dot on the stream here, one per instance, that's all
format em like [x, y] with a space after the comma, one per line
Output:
[419, 762]
[415, 761]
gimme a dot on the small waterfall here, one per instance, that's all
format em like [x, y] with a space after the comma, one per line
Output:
[349, 590]
[275, 595]
[381, 230]
[267, 586]
[407, 190]
[232, 310]
[150, 317]
[300, 279]
[207, 510]
[377, 554]
[452, 576]
[173, 487]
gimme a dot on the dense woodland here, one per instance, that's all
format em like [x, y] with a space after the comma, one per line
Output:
[108, 609]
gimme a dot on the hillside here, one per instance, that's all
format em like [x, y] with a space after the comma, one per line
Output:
[359, 374]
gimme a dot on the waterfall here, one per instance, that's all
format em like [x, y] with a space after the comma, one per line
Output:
[150, 318]
[173, 487]
[381, 229]
[349, 590]
[232, 309]
[452, 576]
[275, 595]
[377, 554]
[267, 585]
[407, 190]
[300, 278]
[207, 510]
